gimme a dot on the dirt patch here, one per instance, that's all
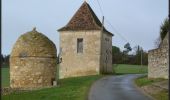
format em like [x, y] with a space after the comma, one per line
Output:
[158, 90]
[162, 84]
[9, 90]
[151, 89]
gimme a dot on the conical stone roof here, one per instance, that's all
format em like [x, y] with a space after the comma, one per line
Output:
[34, 44]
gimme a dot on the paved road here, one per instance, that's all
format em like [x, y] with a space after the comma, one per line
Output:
[116, 88]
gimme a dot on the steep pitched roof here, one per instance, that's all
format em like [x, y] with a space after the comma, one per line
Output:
[84, 19]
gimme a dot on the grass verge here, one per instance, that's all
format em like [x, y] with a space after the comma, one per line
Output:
[162, 95]
[143, 81]
[69, 89]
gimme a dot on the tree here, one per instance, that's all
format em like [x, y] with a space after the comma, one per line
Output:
[6, 59]
[164, 28]
[116, 55]
[122, 57]
[145, 58]
[137, 56]
[2, 58]
[157, 42]
[115, 49]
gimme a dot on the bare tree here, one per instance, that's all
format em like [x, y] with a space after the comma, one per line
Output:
[157, 42]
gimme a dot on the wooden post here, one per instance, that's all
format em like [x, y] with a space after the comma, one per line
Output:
[102, 24]
[141, 60]
[141, 56]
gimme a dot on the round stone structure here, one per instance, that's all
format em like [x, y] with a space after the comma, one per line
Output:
[33, 61]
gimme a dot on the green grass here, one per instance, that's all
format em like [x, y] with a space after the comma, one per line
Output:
[129, 69]
[5, 77]
[69, 89]
[142, 81]
[162, 95]
[119, 69]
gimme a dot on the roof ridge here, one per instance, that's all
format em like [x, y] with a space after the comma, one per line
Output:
[94, 15]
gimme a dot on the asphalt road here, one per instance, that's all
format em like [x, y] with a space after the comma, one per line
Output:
[119, 87]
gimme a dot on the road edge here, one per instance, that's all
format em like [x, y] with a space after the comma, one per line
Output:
[87, 97]
[142, 91]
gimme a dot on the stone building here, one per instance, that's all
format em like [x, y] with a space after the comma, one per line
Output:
[33, 61]
[158, 65]
[86, 46]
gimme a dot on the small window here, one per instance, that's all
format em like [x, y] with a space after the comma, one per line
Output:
[80, 45]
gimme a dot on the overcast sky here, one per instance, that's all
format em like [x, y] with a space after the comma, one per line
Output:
[138, 21]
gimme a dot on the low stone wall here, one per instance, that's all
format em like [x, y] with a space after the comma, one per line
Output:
[158, 66]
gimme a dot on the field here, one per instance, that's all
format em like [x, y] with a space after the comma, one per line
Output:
[129, 69]
[5, 77]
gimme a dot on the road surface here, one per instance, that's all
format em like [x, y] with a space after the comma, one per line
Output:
[119, 87]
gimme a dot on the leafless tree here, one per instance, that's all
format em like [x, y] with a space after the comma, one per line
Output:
[157, 42]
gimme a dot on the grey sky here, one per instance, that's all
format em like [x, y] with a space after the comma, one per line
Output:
[137, 20]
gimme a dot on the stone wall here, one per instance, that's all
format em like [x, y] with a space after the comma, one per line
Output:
[106, 55]
[96, 57]
[33, 62]
[79, 64]
[158, 65]
[31, 72]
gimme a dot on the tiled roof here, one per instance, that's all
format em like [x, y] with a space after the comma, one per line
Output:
[84, 19]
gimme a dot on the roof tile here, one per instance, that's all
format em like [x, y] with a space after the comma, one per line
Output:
[84, 19]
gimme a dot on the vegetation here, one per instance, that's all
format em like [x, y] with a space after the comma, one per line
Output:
[164, 28]
[116, 55]
[68, 89]
[162, 95]
[5, 60]
[144, 81]
[122, 57]
[129, 69]
[5, 77]
[77, 89]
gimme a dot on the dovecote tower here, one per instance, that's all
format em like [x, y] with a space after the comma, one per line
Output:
[86, 46]
[33, 61]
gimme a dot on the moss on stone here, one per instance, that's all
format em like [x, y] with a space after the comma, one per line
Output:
[34, 43]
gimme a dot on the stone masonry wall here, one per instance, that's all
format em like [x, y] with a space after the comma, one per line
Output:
[106, 59]
[158, 65]
[33, 61]
[31, 72]
[80, 64]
